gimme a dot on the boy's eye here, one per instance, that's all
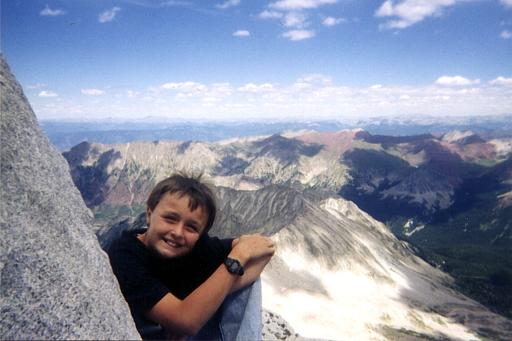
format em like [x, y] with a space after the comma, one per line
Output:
[193, 228]
[171, 218]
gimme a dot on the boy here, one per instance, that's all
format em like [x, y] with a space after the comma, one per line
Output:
[172, 274]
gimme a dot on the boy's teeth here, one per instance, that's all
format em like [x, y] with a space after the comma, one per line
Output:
[172, 243]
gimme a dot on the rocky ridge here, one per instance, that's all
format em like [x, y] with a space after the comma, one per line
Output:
[56, 281]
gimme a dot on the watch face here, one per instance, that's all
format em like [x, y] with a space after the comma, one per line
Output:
[234, 266]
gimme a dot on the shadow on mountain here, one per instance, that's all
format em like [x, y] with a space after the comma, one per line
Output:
[286, 150]
[91, 180]
[387, 140]
[230, 165]
[402, 334]
[464, 311]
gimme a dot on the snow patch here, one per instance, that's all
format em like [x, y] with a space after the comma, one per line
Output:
[355, 305]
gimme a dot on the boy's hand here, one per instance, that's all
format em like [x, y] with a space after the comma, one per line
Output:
[252, 246]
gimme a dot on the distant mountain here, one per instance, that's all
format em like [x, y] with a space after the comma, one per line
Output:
[66, 134]
[441, 192]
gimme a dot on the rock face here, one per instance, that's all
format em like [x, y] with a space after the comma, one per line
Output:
[56, 281]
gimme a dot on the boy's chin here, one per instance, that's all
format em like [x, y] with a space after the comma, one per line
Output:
[168, 253]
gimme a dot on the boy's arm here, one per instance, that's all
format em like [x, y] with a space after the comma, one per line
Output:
[252, 270]
[189, 315]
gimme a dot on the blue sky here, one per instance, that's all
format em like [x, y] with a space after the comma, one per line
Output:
[279, 59]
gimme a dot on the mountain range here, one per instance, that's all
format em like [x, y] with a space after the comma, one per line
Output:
[447, 195]
[65, 134]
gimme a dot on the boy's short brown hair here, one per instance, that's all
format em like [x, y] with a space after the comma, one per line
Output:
[200, 194]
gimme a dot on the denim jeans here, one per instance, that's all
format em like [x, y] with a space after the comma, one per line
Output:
[238, 319]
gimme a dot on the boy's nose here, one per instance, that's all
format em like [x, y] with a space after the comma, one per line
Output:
[177, 231]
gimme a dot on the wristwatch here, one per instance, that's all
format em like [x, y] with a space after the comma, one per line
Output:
[234, 266]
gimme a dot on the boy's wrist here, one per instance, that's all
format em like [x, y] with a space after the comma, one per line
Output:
[238, 256]
[233, 266]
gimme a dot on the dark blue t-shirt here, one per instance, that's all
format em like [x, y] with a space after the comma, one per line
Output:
[145, 278]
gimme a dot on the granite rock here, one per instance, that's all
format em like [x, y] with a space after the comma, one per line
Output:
[56, 281]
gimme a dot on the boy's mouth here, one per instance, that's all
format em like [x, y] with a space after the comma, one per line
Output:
[172, 243]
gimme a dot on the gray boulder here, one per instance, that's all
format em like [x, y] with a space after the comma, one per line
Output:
[56, 282]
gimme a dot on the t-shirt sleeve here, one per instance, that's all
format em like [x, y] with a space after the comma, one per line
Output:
[210, 253]
[216, 249]
[139, 286]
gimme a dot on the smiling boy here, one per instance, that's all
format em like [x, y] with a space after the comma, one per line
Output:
[173, 275]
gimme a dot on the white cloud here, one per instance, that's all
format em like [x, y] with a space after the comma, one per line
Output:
[48, 12]
[313, 80]
[92, 92]
[297, 35]
[501, 81]
[312, 96]
[506, 34]
[295, 19]
[331, 21]
[188, 87]
[266, 14]
[410, 12]
[290, 5]
[228, 4]
[242, 33]
[255, 88]
[47, 93]
[132, 93]
[294, 15]
[108, 15]
[507, 3]
[36, 86]
[456, 81]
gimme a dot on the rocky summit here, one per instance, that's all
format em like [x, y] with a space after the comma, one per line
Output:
[56, 281]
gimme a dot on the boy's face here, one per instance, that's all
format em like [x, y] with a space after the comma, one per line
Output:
[173, 228]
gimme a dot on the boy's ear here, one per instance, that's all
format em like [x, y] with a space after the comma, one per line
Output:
[148, 215]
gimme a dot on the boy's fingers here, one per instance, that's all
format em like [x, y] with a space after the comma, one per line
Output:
[234, 242]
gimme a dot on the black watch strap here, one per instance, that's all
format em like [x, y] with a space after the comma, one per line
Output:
[234, 266]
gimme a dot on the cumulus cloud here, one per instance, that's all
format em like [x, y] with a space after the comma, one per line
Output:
[287, 5]
[241, 33]
[502, 81]
[295, 19]
[108, 15]
[331, 21]
[47, 93]
[188, 87]
[313, 80]
[506, 34]
[266, 14]
[456, 81]
[36, 86]
[257, 88]
[132, 93]
[410, 12]
[507, 3]
[92, 92]
[294, 16]
[228, 4]
[48, 12]
[297, 35]
[310, 96]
